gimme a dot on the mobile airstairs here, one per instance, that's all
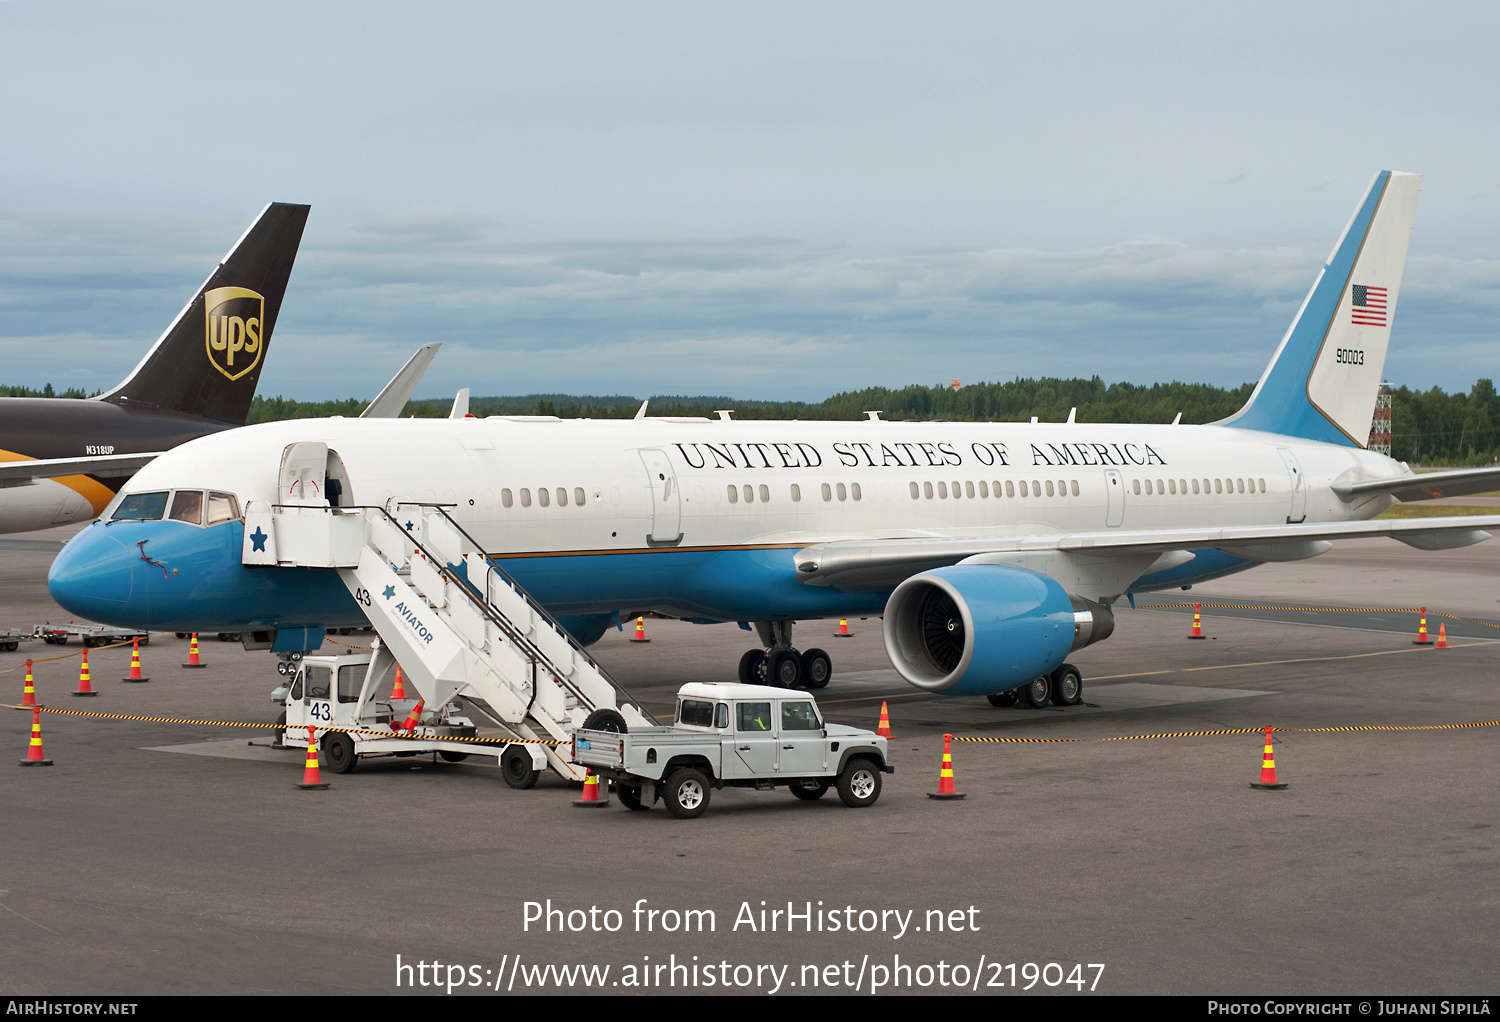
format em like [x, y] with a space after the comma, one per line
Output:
[457, 624]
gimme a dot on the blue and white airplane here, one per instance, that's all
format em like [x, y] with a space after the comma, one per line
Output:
[990, 550]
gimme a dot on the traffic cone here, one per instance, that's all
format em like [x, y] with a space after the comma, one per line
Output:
[1442, 642]
[1197, 632]
[84, 688]
[884, 728]
[640, 630]
[399, 690]
[843, 632]
[413, 717]
[1422, 637]
[310, 776]
[34, 756]
[946, 790]
[591, 799]
[1268, 769]
[193, 659]
[135, 663]
[28, 693]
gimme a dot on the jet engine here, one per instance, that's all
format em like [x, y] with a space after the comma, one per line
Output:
[975, 629]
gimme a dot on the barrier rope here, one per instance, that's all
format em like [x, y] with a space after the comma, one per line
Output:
[1325, 610]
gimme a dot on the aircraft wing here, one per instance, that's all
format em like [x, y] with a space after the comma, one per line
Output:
[21, 473]
[866, 564]
[1426, 485]
[389, 402]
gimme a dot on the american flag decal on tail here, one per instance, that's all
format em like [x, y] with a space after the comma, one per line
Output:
[1367, 308]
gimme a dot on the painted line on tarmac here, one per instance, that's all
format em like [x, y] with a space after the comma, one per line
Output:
[1233, 731]
[1299, 660]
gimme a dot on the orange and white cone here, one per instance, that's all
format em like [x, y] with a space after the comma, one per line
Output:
[84, 687]
[193, 659]
[1423, 639]
[1197, 632]
[843, 632]
[398, 691]
[34, 755]
[640, 630]
[884, 728]
[28, 691]
[946, 789]
[1268, 769]
[412, 718]
[591, 798]
[1442, 642]
[135, 663]
[311, 778]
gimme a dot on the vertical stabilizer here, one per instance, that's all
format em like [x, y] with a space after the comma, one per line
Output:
[1323, 380]
[208, 361]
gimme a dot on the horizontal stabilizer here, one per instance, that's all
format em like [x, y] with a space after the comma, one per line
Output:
[19, 473]
[1458, 482]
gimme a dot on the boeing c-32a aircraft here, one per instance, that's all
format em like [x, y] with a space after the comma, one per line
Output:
[990, 550]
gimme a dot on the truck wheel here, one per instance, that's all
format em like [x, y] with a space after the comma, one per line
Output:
[817, 668]
[1038, 693]
[605, 719]
[630, 797]
[1002, 698]
[809, 789]
[516, 768]
[859, 784]
[1067, 686]
[338, 750]
[687, 793]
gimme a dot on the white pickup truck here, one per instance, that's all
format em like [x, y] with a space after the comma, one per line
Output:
[743, 736]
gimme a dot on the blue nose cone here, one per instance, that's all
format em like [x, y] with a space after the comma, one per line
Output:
[93, 578]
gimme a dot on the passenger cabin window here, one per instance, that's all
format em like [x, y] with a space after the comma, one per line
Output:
[696, 713]
[506, 499]
[796, 493]
[543, 497]
[141, 507]
[222, 507]
[799, 717]
[734, 494]
[578, 496]
[765, 494]
[187, 506]
[753, 717]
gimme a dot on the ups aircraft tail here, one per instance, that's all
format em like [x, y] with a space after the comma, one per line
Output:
[1322, 381]
[208, 361]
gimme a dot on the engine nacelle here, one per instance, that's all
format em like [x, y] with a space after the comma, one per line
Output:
[973, 629]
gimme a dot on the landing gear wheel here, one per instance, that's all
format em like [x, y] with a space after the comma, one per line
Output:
[630, 797]
[1038, 693]
[1002, 698]
[453, 757]
[784, 669]
[687, 793]
[516, 768]
[1067, 686]
[181, 635]
[809, 789]
[752, 667]
[817, 668]
[338, 752]
[605, 719]
[859, 784]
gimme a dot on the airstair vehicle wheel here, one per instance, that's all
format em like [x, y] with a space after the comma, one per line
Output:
[516, 768]
[1039, 692]
[453, 757]
[338, 750]
[605, 719]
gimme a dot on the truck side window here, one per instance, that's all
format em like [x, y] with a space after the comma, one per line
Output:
[753, 717]
[721, 720]
[317, 681]
[295, 695]
[799, 717]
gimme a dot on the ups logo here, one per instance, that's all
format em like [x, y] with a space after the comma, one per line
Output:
[232, 331]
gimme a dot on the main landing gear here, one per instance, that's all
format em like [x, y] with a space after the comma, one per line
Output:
[1063, 687]
[779, 664]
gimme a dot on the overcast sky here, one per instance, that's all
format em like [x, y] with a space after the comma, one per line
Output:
[761, 200]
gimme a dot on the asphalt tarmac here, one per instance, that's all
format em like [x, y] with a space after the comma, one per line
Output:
[159, 858]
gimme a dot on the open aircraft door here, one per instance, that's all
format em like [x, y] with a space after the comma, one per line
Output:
[1298, 513]
[303, 467]
[666, 501]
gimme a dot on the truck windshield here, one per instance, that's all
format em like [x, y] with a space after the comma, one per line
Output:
[696, 713]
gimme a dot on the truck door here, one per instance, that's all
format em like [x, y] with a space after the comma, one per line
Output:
[754, 741]
[800, 743]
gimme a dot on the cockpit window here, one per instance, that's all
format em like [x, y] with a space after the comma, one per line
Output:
[187, 506]
[141, 507]
[222, 507]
